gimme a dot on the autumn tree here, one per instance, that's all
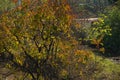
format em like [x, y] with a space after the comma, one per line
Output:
[34, 37]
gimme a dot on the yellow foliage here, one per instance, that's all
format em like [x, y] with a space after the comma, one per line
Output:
[8, 65]
[61, 56]
[37, 32]
[19, 61]
[81, 73]
[101, 20]
[63, 73]
[102, 49]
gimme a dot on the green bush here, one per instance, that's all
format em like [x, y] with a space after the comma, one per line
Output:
[112, 43]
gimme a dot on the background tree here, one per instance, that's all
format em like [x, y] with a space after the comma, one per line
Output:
[111, 43]
[6, 5]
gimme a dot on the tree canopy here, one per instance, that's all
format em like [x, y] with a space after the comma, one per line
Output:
[33, 35]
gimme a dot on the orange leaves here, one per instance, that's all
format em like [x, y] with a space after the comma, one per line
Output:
[77, 52]
[27, 1]
[20, 7]
[29, 13]
[15, 1]
[83, 55]
[67, 7]
[98, 41]
[66, 46]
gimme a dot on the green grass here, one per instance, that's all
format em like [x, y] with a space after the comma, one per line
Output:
[107, 69]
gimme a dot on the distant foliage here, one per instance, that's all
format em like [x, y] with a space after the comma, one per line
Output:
[112, 43]
[97, 32]
[6, 5]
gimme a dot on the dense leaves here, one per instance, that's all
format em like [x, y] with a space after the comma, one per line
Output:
[111, 43]
[31, 34]
[38, 39]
